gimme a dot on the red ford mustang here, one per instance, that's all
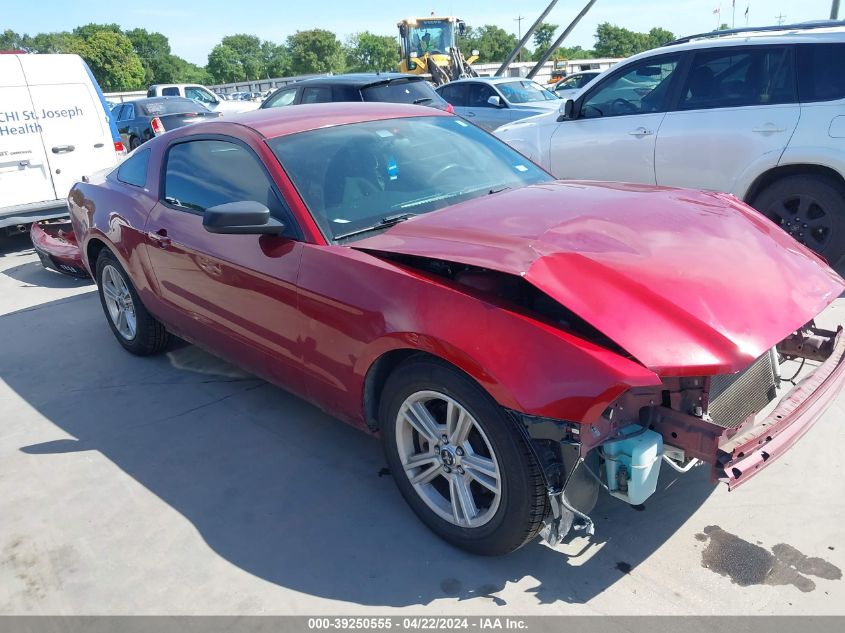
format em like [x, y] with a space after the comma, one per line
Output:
[519, 343]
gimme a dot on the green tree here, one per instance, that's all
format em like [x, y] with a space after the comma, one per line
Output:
[315, 51]
[44, 43]
[247, 49]
[492, 43]
[275, 59]
[224, 66]
[87, 30]
[367, 52]
[153, 49]
[188, 73]
[11, 41]
[574, 52]
[112, 60]
[615, 41]
[543, 38]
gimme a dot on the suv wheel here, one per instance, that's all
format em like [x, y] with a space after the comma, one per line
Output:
[810, 208]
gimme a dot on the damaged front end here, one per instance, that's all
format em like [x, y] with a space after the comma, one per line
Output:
[737, 423]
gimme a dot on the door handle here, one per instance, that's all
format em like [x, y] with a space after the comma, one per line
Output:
[469, 114]
[63, 149]
[209, 266]
[24, 163]
[159, 238]
[640, 131]
[768, 129]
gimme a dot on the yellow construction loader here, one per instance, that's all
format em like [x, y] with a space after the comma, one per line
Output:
[430, 47]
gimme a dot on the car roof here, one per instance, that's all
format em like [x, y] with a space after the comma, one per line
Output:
[789, 35]
[275, 122]
[355, 79]
[490, 80]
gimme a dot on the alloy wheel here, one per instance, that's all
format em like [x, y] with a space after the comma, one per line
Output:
[803, 218]
[448, 459]
[119, 303]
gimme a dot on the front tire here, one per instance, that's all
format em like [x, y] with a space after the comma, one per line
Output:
[459, 460]
[810, 208]
[133, 327]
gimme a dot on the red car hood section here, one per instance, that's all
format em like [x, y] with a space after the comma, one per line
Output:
[687, 282]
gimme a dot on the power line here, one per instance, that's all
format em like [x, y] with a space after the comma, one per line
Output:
[780, 18]
[519, 21]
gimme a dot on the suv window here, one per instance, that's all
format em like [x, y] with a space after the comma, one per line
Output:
[128, 113]
[821, 72]
[638, 89]
[236, 173]
[317, 94]
[133, 171]
[739, 77]
[283, 98]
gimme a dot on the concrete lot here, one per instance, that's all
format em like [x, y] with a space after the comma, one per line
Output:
[180, 485]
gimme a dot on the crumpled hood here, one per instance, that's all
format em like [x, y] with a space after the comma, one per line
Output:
[687, 282]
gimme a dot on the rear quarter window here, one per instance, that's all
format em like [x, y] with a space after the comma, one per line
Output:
[414, 91]
[133, 171]
[821, 72]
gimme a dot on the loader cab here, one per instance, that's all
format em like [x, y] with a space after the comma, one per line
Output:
[432, 37]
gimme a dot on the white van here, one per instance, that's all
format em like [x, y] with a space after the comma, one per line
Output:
[55, 128]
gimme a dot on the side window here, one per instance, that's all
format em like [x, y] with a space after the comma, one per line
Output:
[732, 78]
[284, 98]
[477, 95]
[317, 94]
[821, 72]
[640, 88]
[115, 112]
[198, 94]
[133, 171]
[205, 173]
[128, 113]
[455, 94]
[173, 91]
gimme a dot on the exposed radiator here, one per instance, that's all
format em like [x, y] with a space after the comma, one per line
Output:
[733, 397]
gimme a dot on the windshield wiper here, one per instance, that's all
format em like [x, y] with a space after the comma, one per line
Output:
[422, 100]
[384, 223]
[498, 190]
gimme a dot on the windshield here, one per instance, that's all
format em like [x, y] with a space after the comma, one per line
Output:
[353, 176]
[403, 91]
[172, 105]
[525, 92]
[431, 36]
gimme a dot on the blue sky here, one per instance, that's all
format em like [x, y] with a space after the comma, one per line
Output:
[195, 27]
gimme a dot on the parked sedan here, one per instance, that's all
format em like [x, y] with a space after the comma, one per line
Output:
[139, 121]
[567, 87]
[384, 87]
[514, 339]
[490, 102]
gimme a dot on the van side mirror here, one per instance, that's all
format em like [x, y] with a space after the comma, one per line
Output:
[241, 218]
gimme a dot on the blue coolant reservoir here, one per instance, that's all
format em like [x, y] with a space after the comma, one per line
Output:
[632, 463]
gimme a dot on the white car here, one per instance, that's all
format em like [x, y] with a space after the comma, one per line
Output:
[202, 95]
[568, 87]
[55, 129]
[758, 114]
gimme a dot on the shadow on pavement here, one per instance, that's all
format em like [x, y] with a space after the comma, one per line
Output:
[280, 489]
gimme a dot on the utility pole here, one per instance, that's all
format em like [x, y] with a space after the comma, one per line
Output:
[519, 22]
[780, 18]
[834, 10]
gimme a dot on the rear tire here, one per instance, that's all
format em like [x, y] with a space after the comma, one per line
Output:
[483, 455]
[133, 327]
[810, 208]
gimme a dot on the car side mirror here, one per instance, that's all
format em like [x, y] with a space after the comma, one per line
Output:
[495, 101]
[241, 218]
[567, 110]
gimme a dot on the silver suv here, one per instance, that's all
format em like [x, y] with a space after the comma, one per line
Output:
[758, 113]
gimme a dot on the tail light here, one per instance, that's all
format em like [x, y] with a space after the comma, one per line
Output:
[119, 148]
[450, 108]
[158, 126]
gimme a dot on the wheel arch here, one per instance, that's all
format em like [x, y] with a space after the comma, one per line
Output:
[793, 169]
[93, 249]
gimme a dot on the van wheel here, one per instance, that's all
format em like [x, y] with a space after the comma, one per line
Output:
[134, 143]
[459, 460]
[134, 328]
[810, 208]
